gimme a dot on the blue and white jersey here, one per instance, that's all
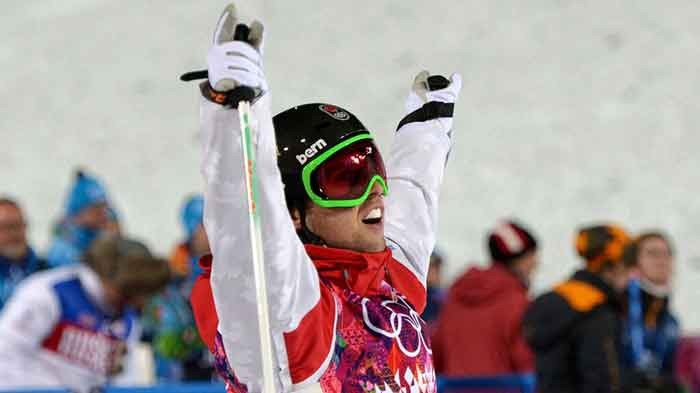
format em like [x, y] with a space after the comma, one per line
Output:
[55, 331]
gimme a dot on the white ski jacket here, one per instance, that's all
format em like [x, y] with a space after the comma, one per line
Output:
[415, 169]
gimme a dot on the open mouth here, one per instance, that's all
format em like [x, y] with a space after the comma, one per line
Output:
[373, 217]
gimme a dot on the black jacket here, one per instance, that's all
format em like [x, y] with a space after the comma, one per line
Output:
[574, 332]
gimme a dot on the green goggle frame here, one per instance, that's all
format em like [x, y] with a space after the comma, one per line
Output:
[316, 162]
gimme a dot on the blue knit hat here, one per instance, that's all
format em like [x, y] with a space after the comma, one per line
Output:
[85, 192]
[192, 214]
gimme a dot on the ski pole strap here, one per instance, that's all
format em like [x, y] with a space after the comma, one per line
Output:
[227, 98]
[430, 111]
[217, 97]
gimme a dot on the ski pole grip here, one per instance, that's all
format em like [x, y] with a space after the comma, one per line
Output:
[241, 33]
[240, 93]
[437, 82]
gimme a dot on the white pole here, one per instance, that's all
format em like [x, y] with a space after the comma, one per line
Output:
[252, 190]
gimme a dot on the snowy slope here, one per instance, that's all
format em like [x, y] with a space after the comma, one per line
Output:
[571, 112]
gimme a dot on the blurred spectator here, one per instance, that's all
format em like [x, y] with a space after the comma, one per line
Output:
[185, 257]
[17, 258]
[651, 331]
[479, 331]
[73, 326]
[435, 291]
[574, 329]
[179, 352]
[86, 215]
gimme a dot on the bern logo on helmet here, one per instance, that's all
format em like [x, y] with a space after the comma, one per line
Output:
[311, 151]
[334, 112]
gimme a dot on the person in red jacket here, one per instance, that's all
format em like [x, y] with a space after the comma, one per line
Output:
[478, 331]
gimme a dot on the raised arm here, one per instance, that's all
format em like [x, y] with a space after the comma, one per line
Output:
[415, 169]
[293, 287]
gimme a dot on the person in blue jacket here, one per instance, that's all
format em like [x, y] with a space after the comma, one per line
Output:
[86, 215]
[17, 258]
[651, 329]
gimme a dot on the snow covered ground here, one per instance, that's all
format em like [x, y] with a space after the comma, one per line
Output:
[572, 111]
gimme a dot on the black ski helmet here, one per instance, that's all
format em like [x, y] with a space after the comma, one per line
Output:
[302, 132]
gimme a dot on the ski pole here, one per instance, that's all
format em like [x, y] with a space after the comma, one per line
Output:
[252, 193]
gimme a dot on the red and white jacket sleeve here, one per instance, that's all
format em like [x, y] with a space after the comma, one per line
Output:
[415, 169]
[292, 281]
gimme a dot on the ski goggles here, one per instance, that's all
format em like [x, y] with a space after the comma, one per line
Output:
[344, 175]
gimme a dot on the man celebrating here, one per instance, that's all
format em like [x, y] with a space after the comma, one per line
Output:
[346, 282]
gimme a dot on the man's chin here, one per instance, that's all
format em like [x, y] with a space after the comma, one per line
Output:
[374, 245]
[369, 243]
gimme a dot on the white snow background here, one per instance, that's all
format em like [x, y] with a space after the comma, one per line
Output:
[571, 112]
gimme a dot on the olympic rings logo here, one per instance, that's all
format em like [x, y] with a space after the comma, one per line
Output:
[398, 318]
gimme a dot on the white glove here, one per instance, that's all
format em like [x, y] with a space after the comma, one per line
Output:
[421, 94]
[236, 62]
